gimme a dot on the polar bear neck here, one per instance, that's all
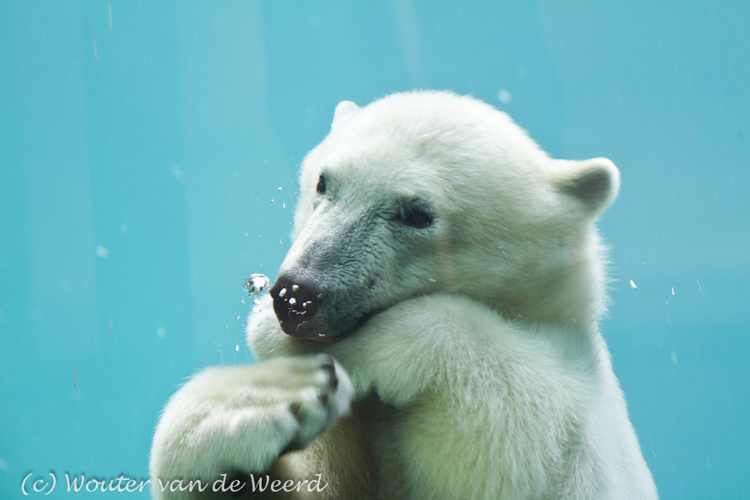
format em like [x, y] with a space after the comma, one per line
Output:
[567, 289]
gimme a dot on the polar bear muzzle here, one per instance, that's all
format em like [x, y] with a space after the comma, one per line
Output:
[298, 307]
[305, 311]
[296, 304]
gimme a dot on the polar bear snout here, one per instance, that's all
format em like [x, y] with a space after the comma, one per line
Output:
[296, 304]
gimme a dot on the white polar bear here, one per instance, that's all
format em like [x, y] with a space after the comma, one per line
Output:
[445, 281]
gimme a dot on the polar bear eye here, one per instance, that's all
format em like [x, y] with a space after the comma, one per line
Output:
[321, 187]
[418, 219]
[415, 217]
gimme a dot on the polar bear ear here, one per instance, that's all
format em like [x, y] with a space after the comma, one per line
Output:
[594, 183]
[344, 111]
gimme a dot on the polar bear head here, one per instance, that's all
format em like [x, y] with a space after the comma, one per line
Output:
[431, 192]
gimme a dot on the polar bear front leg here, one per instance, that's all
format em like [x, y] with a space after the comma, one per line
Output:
[240, 419]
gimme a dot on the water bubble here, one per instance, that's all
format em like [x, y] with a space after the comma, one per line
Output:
[256, 283]
[177, 173]
[633, 285]
[295, 288]
[101, 251]
[504, 96]
[282, 293]
[292, 301]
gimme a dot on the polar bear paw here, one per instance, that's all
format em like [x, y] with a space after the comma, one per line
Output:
[318, 392]
[242, 418]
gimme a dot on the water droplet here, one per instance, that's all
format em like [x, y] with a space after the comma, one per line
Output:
[633, 285]
[237, 348]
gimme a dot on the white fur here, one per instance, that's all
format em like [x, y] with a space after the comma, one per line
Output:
[477, 371]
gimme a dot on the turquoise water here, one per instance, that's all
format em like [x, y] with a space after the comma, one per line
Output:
[148, 156]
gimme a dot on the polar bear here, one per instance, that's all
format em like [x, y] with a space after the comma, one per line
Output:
[432, 333]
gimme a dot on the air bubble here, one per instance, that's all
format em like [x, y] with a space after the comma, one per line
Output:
[256, 283]
[101, 251]
[504, 96]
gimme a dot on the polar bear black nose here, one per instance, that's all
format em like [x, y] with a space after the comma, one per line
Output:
[295, 304]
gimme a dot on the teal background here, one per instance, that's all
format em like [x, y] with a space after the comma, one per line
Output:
[148, 157]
